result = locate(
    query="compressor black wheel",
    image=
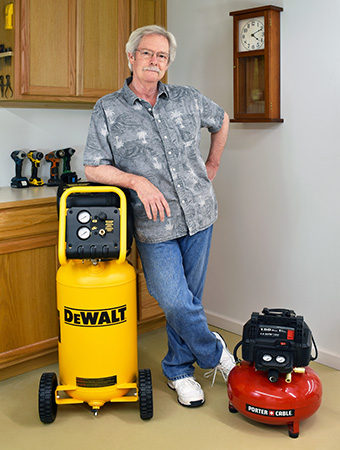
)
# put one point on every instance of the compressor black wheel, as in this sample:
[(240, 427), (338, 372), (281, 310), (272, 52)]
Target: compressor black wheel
[(145, 394), (47, 403)]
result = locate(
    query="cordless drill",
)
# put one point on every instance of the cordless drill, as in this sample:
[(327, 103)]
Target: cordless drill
[(35, 158), (68, 176), (19, 181), (54, 159)]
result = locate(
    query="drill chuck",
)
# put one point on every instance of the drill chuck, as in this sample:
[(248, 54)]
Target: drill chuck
[(59, 153), (18, 155), (35, 156)]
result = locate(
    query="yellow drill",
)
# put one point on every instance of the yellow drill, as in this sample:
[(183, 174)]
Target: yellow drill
[(35, 158)]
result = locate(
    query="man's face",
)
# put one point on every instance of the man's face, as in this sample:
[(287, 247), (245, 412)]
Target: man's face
[(150, 70)]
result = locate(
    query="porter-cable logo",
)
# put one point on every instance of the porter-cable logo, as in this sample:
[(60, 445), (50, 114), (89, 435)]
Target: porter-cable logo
[(95, 317), (270, 412)]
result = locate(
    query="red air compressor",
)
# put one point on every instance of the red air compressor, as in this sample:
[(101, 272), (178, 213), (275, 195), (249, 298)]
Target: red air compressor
[(272, 384), (96, 300)]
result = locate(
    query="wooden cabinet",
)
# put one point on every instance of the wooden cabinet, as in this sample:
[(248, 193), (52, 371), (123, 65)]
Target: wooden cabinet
[(71, 52), (67, 51), (47, 47), (28, 260), (148, 12), (29, 263), (103, 30)]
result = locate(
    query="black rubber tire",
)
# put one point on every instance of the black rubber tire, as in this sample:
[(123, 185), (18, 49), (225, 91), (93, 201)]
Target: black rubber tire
[(47, 403), (145, 394)]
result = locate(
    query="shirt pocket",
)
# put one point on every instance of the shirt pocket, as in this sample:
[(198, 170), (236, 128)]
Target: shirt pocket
[(185, 125), (128, 138)]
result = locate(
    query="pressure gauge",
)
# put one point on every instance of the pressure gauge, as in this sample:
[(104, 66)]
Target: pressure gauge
[(84, 217), (83, 233), (280, 359)]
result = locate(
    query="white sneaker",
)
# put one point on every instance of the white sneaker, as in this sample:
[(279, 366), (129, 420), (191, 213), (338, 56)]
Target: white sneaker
[(226, 364), (189, 392)]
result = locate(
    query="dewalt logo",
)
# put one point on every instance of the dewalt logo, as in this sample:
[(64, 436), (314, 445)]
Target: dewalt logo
[(95, 317)]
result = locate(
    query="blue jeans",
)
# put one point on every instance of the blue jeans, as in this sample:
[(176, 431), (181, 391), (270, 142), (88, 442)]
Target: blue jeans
[(175, 274)]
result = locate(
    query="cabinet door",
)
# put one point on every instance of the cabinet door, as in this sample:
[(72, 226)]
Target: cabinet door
[(103, 30), (148, 12), (28, 261), (48, 45)]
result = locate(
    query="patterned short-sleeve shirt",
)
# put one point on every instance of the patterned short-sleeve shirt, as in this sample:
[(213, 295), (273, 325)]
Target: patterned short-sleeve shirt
[(161, 143)]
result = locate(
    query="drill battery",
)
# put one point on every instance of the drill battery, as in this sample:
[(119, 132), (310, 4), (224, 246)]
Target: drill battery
[(277, 341)]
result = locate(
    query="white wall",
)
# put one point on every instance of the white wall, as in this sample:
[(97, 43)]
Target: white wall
[(276, 243), (43, 130)]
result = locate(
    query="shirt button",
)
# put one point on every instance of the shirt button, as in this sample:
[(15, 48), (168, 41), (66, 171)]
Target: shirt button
[(169, 153), (149, 109), (165, 137), (159, 120)]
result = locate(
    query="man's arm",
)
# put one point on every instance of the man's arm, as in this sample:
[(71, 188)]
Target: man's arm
[(218, 141), (153, 200)]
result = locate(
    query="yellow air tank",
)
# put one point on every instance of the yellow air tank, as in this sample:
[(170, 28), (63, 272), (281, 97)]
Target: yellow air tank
[(96, 302)]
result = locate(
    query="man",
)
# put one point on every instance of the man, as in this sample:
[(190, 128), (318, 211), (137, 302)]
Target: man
[(146, 137)]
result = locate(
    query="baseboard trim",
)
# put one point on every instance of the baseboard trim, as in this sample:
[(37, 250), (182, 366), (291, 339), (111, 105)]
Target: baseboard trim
[(325, 357)]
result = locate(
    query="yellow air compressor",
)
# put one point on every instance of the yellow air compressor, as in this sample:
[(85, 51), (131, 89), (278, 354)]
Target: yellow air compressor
[(96, 301)]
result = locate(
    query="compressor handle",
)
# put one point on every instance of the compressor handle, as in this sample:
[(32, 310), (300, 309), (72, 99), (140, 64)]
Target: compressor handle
[(313, 358), (279, 311), (237, 346), (63, 212)]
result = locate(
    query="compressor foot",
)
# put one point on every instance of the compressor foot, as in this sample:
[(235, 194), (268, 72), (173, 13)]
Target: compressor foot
[(95, 411), (293, 430), (232, 409)]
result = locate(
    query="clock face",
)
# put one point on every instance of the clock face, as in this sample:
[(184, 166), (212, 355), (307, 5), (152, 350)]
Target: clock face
[(251, 34)]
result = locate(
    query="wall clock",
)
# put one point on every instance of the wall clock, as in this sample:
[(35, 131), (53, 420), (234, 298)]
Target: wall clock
[(257, 64)]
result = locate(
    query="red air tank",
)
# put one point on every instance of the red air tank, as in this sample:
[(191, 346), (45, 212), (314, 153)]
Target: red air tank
[(294, 397)]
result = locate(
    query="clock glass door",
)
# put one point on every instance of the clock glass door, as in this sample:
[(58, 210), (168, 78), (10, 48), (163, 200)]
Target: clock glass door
[(251, 79)]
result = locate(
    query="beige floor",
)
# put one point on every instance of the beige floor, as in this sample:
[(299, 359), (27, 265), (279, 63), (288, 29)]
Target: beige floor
[(118, 426)]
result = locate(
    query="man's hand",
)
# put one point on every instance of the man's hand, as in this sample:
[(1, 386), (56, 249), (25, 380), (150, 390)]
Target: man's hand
[(211, 170), (153, 200)]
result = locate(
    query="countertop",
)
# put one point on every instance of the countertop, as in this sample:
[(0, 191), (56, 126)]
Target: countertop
[(11, 197)]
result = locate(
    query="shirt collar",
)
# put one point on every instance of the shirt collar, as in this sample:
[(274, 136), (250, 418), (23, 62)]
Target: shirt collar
[(131, 97)]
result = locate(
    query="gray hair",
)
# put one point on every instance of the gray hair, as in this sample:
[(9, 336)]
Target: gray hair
[(137, 35)]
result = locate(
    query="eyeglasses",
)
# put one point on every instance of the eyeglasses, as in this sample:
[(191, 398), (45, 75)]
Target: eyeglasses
[(148, 54)]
